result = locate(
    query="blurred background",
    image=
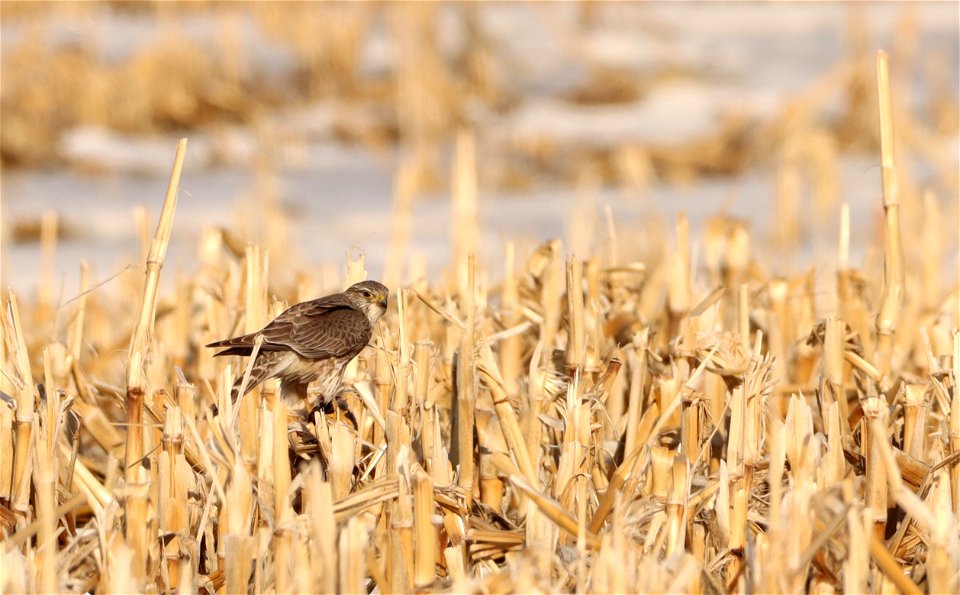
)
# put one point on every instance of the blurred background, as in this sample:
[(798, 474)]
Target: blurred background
[(321, 129)]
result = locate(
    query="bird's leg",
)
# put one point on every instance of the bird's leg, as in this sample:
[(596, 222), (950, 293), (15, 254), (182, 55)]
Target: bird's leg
[(334, 406), (338, 404), (343, 406)]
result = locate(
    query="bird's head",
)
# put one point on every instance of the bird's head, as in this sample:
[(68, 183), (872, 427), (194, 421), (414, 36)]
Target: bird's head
[(371, 297)]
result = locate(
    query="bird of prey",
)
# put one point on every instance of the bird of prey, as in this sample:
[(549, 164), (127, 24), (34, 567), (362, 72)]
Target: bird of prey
[(311, 341)]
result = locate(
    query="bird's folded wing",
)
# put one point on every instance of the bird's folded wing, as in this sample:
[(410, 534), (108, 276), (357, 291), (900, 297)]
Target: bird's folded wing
[(274, 333), (317, 333)]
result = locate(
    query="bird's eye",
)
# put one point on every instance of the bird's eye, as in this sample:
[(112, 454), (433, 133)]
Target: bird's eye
[(366, 293)]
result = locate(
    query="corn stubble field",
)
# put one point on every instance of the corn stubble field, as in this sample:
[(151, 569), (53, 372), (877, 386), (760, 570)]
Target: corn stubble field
[(587, 423)]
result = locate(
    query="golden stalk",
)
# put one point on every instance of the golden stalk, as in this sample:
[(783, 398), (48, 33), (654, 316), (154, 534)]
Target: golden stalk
[(76, 331), (256, 262), (282, 511), (426, 534), (892, 296), (575, 334), (638, 372), (677, 493), (465, 396), (20, 487), (400, 399), (874, 410), (48, 250), (511, 347), (48, 579), (399, 514), (135, 503), (679, 289), (140, 340)]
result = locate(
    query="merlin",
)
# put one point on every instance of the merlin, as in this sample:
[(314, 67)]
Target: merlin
[(311, 341)]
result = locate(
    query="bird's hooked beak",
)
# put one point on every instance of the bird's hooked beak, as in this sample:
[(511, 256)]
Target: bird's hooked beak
[(383, 302)]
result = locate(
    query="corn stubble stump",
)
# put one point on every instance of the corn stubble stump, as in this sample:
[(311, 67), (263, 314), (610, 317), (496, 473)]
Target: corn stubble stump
[(568, 429)]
